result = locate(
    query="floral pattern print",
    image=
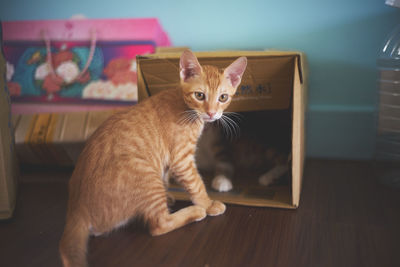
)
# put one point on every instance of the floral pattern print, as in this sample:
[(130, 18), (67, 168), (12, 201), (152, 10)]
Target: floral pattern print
[(111, 74)]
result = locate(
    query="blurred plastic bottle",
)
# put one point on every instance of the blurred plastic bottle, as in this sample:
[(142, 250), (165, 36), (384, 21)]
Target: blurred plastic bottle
[(387, 151)]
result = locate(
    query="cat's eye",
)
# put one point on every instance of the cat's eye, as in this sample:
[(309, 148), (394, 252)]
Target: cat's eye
[(223, 98), (199, 96)]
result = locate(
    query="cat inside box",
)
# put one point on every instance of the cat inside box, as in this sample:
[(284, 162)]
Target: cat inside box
[(249, 148)]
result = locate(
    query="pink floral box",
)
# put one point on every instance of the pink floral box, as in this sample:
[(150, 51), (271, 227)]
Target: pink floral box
[(77, 60)]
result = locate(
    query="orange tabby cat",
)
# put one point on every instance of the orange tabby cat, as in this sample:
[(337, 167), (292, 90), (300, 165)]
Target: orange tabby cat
[(124, 167)]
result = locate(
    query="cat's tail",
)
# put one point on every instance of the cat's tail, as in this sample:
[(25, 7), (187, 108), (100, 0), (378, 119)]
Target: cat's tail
[(73, 244)]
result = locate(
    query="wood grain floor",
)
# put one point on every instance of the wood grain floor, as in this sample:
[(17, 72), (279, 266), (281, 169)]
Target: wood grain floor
[(345, 218)]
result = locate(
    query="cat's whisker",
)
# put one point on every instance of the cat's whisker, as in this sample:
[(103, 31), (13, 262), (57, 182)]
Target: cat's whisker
[(193, 116), (232, 116), (230, 127), (229, 123), (221, 123), (182, 120), (235, 115), (188, 116), (226, 129)]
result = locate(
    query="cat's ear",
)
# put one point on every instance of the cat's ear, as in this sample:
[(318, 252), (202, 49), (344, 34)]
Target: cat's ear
[(189, 66), (234, 72)]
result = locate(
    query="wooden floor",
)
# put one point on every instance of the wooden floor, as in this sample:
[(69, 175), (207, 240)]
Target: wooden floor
[(345, 218)]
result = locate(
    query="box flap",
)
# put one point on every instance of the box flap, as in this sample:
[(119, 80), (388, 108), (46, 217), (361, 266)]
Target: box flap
[(298, 131)]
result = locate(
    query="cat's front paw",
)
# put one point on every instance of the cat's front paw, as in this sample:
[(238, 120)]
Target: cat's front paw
[(266, 179), (216, 208), (273, 174), (221, 183)]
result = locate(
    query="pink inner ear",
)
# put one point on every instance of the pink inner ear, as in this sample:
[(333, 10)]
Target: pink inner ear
[(234, 78), (189, 72), (189, 66), (235, 71)]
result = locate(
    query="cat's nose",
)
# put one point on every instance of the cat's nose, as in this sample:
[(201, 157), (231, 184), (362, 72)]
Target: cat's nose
[(211, 114)]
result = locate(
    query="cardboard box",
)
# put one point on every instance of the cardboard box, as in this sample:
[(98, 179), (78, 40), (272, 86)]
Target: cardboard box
[(55, 138), (274, 80), (8, 164)]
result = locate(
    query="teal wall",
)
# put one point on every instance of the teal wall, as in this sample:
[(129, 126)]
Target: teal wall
[(340, 37)]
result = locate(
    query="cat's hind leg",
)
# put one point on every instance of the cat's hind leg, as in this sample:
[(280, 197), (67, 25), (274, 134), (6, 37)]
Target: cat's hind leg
[(186, 174), (166, 222), (156, 212)]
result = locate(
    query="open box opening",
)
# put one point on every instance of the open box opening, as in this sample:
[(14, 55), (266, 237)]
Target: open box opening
[(271, 97)]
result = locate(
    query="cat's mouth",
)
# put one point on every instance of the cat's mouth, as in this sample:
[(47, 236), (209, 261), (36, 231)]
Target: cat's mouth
[(210, 118)]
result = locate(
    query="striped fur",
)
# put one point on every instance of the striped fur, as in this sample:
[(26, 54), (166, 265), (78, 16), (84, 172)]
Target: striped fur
[(120, 173)]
